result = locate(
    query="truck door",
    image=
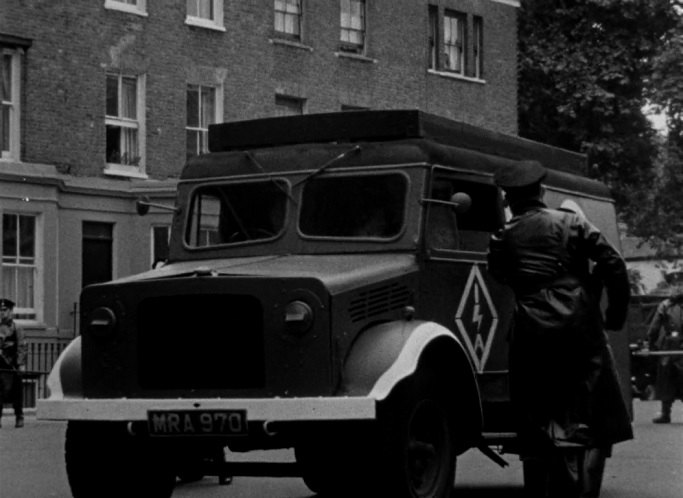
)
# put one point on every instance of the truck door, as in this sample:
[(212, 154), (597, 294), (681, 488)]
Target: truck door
[(457, 288)]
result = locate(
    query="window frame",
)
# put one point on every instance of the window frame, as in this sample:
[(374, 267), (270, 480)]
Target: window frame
[(216, 118), (13, 104), (472, 56), (155, 259), (495, 217), (213, 22), (121, 169), (284, 14), (348, 45), (138, 7), (283, 101), (26, 314)]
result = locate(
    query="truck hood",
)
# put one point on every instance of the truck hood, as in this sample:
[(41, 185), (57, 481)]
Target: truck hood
[(336, 271)]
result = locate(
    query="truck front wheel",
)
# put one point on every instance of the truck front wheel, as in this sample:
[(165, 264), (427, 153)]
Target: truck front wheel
[(104, 460), (418, 447)]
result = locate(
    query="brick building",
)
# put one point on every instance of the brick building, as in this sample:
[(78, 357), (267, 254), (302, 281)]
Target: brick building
[(102, 100)]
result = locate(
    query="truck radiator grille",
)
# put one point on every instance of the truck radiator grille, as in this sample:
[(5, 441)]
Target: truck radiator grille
[(200, 342), (378, 300)]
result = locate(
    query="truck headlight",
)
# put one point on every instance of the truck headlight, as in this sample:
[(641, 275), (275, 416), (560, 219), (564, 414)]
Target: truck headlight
[(298, 318), (101, 322)]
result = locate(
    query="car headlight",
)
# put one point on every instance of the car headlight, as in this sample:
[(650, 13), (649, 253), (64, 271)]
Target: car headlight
[(298, 318)]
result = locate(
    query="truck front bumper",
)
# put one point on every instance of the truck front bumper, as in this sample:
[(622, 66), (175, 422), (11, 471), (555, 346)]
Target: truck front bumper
[(266, 410)]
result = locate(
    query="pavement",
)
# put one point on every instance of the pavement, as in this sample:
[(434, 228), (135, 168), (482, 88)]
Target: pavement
[(650, 466)]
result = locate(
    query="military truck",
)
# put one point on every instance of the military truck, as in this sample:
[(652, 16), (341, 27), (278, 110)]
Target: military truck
[(326, 290)]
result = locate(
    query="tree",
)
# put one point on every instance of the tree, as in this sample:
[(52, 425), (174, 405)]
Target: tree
[(583, 73), (662, 224)]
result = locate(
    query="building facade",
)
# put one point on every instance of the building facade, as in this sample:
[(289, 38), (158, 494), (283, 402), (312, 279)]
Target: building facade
[(103, 100)]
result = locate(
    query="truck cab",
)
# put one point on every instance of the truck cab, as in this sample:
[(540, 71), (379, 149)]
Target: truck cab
[(326, 290)]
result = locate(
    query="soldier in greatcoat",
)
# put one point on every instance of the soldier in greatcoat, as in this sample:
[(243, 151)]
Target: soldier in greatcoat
[(12, 361), (563, 382), (666, 334)]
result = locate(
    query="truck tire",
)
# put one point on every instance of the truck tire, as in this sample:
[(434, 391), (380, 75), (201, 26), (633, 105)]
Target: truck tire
[(408, 453), (104, 460), (417, 453)]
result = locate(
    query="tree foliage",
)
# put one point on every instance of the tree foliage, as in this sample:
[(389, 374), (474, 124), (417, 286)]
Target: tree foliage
[(585, 72), (662, 224)]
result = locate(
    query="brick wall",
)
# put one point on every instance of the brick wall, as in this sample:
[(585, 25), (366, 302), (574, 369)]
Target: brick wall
[(76, 41)]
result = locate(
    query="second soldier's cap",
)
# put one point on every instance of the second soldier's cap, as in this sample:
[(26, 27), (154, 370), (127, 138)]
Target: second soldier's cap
[(521, 174), (6, 303)]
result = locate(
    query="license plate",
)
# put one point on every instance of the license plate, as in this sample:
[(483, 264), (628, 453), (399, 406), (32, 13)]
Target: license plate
[(197, 422)]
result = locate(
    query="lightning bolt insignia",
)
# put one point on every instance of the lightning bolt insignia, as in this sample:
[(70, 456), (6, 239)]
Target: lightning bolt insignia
[(476, 313)]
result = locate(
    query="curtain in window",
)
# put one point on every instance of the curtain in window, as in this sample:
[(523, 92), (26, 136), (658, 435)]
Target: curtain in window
[(453, 42), (129, 146), (208, 110), (206, 9), (200, 8), (129, 99)]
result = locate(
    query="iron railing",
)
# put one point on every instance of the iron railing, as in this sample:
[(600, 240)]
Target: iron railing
[(41, 356)]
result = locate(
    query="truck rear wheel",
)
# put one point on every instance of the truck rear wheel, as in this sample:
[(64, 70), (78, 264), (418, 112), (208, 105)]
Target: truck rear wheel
[(104, 460)]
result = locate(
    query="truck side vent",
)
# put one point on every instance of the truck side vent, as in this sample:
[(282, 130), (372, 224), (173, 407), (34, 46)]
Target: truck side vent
[(378, 300)]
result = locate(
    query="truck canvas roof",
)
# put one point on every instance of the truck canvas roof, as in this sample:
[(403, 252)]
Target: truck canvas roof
[(393, 137), (385, 126)]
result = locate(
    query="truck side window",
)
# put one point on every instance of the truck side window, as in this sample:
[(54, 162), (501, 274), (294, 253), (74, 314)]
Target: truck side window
[(469, 231)]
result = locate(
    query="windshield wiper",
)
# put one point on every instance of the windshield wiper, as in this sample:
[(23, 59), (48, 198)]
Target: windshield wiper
[(281, 187), (329, 163)]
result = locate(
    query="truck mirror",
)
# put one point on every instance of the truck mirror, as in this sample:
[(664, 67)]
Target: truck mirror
[(461, 202), (142, 205)]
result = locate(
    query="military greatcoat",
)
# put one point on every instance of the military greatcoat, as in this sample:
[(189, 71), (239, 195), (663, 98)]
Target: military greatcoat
[(563, 380), (666, 334)]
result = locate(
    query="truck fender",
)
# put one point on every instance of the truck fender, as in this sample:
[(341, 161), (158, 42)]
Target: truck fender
[(383, 355), (65, 379)]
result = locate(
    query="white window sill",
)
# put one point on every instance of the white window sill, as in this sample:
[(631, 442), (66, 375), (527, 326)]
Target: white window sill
[(290, 43), (456, 76), (123, 7), (203, 23), (124, 171), (354, 56)]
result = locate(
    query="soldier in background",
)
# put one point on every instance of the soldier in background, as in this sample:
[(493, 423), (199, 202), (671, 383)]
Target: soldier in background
[(666, 334), (12, 361), (563, 383)]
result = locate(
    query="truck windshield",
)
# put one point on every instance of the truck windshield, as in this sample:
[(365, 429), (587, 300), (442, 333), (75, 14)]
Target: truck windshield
[(361, 206), (236, 213)]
